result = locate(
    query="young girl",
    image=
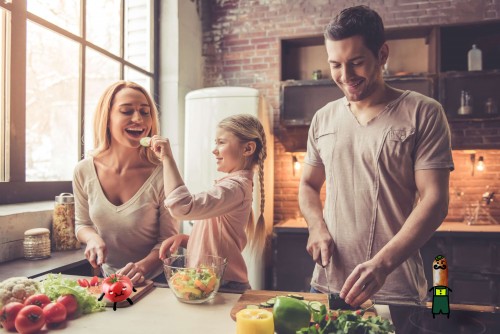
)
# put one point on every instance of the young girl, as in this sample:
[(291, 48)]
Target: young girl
[(223, 213)]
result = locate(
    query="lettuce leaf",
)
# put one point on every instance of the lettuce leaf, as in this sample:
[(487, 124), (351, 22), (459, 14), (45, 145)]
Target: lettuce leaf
[(56, 285)]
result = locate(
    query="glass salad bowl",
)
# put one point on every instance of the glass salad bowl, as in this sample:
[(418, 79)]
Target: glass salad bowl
[(194, 279)]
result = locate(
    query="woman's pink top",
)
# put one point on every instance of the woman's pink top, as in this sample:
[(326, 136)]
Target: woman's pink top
[(219, 216)]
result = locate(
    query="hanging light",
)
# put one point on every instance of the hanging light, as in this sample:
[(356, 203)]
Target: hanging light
[(295, 164), (480, 164)]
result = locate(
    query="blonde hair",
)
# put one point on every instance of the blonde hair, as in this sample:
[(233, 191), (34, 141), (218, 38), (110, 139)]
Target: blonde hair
[(248, 128), (102, 136)]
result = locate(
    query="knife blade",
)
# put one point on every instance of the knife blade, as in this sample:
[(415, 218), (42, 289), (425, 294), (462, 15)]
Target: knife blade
[(327, 281)]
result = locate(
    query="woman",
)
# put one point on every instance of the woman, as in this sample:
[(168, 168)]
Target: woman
[(119, 189)]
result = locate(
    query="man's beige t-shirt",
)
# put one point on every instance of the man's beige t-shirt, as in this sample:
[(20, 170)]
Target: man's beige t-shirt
[(370, 183)]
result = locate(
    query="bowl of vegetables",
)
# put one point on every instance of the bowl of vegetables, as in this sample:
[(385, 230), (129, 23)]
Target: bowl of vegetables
[(194, 280)]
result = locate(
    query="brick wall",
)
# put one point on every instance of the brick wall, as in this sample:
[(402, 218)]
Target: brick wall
[(241, 48)]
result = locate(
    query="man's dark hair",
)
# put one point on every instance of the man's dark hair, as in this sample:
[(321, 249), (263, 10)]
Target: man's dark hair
[(358, 20)]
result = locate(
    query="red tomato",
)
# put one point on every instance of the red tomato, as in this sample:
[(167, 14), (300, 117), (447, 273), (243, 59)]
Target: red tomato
[(38, 299), (94, 281), (54, 313), (8, 314), (29, 320), (70, 302), (83, 283), (117, 287)]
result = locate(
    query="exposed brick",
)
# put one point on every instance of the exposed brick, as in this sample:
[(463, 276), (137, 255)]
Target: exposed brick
[(258, 26), (241, 48)]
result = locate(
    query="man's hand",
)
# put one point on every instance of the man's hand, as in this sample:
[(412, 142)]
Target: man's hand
[(364, 281), (320, 245)]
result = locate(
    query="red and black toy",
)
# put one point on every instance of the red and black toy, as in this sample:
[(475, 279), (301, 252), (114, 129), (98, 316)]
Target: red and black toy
[(117, 288)]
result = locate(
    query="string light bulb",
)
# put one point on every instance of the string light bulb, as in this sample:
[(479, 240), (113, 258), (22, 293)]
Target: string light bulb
[(296, 164), (480, 164)]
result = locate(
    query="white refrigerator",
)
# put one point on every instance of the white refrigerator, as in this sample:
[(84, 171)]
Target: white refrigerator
[(204, 109)]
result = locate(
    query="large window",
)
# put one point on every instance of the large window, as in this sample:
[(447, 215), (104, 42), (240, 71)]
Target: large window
[(56, 58)]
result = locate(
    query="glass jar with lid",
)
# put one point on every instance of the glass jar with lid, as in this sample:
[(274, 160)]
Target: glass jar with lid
[(63, 223)]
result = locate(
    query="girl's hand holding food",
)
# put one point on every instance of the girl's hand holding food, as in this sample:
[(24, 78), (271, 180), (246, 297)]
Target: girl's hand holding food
[(95, 251), (171, 245), (161, 147)]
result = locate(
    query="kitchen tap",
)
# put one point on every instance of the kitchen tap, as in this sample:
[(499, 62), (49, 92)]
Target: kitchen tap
[(478, 213), (488, 197)]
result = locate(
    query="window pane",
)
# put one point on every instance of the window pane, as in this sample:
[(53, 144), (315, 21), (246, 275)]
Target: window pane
[(63, 13), (3, 66), (138, 34), (103, 24), (137, 77), (101, 72), (52, 88)]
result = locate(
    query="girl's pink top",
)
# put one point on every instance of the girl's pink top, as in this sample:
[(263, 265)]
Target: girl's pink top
[(219, 216)]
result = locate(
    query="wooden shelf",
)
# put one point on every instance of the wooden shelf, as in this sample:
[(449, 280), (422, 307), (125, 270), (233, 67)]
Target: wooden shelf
[(435, 58)]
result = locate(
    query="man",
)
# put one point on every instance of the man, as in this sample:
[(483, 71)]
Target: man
[(380, 150)]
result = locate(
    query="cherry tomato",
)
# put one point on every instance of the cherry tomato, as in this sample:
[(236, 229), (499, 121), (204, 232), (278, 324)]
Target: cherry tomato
[(94, 281), (117, 287), (70, 302), (29, 320), (54, 313), (8, 314), (38, 299), (83, 283)]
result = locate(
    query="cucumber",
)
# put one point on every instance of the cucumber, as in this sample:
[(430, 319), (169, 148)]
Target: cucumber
[(265, 305), (145, 141), (251, 306), (292, 295), (271, 301), (315, 306)]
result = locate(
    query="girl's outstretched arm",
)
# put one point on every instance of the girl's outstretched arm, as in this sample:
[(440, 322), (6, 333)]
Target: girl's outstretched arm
[(171, 176)]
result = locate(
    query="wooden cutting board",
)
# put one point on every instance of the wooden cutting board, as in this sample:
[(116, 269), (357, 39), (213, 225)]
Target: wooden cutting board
[(142, 290), (255, 297)]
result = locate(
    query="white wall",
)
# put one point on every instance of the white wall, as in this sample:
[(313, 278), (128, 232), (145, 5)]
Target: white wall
[(181, 67)]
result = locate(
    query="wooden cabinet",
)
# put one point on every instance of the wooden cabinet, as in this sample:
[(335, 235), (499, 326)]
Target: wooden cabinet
[(431, 60), (473, 263), (292, 265)]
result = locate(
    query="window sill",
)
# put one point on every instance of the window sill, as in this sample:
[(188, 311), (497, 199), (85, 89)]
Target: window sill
[(15, 219), (57, 262), (15, 209)]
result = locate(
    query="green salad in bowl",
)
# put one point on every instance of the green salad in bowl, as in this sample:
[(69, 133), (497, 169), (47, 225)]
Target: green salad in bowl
[(194, 280)]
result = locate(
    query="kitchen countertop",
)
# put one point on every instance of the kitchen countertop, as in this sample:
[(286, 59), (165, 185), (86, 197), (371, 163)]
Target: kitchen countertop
[(446, 226), (57, 262), (160, 312)]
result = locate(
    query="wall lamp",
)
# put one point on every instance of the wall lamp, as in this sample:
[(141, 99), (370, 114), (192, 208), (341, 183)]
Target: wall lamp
[(480, 163), (295, 164)]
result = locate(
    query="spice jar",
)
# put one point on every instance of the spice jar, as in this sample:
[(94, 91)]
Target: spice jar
[(317, 75), (63, 223), (36, 244), (491, 106)]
